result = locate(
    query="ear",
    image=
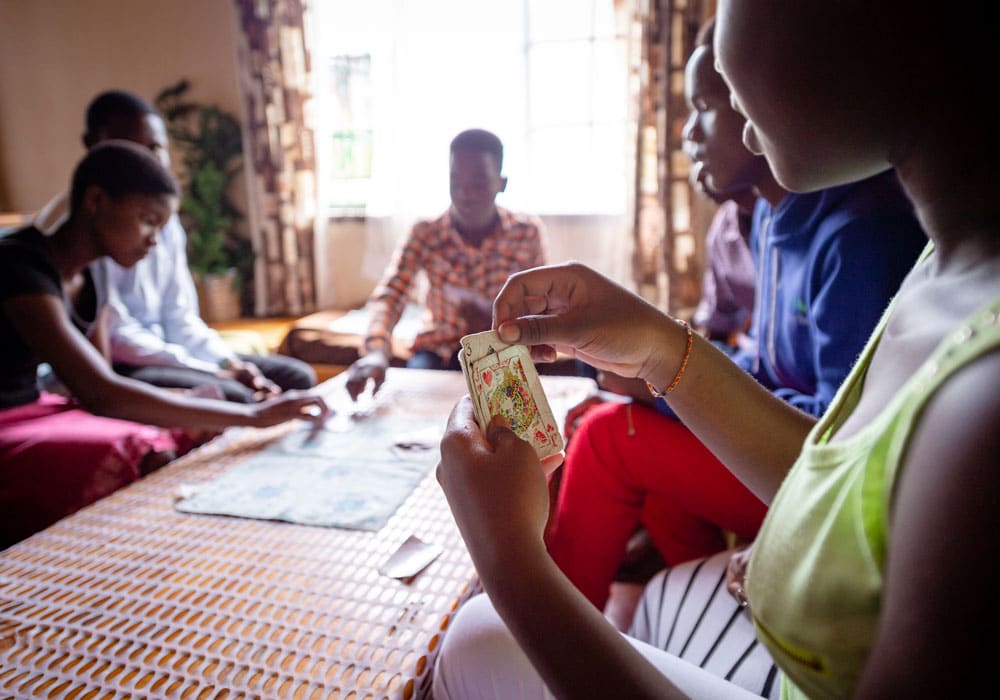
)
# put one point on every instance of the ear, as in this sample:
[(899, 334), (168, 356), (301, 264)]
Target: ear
[(94, 199), (503, 184)]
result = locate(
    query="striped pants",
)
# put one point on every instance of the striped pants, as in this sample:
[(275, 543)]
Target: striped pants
[(687, 625)]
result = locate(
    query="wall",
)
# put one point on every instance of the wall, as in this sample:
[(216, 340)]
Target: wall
[(55, 55)]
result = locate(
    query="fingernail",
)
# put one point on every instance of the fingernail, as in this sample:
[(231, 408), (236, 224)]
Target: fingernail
[(509, 332)]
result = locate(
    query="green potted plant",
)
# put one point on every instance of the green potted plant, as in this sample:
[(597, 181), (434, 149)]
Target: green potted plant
[(210, 145)]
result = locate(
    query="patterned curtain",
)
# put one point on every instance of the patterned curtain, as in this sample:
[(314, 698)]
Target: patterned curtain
[(669, 218), (274, 62)]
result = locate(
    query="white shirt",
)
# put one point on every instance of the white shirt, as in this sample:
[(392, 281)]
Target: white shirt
[(153, 306)]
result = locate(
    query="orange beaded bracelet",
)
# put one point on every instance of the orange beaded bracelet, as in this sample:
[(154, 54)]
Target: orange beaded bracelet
[(684, 364)]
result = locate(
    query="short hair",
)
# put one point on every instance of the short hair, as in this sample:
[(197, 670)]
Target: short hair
[(481, 141), (120, 168), (115, 104)]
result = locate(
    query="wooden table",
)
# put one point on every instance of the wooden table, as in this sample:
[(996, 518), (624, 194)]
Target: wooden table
[(131, 598)]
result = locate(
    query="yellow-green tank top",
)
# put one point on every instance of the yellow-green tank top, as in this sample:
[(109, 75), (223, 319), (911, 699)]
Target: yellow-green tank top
[(816, 573)]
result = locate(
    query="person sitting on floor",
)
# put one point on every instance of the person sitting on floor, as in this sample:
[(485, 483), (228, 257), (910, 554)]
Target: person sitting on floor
[(156, 332), (467, 253), (58, 454)]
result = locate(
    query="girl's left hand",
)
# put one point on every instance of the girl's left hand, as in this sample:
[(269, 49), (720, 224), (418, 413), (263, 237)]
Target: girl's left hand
[(292, 404), (496, 488)]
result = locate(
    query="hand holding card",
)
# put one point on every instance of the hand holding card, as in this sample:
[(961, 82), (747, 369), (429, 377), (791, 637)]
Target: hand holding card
[(503, 381)]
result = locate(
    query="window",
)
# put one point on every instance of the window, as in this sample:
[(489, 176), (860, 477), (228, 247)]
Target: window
[(348, 136), (397, 79), (576, 106)]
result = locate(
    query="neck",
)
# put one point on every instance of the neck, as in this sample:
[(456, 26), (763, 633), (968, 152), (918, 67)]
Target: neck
[(769, 189), (745, 200), (475, 233), (72, 247), (950, 183)]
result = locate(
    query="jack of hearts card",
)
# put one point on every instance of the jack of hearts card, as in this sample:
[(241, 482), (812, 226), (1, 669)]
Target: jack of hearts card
[(506, 383)]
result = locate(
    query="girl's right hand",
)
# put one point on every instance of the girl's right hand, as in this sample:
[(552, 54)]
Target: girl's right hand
[(573, 309)]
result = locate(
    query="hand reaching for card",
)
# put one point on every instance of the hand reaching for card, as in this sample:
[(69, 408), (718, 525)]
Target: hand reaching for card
[(475, 309), (371, 366)]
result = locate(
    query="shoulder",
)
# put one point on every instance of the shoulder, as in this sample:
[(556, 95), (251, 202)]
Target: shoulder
[(25, 264), (877, 242), (961, 404), (526, 224), (423, 229), (877, 203), (972, 390), (871, 219), (25, 244), (955, 442), (174, 231), (725, 225)]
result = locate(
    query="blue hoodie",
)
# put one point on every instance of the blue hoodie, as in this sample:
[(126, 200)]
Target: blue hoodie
[(827, 264)]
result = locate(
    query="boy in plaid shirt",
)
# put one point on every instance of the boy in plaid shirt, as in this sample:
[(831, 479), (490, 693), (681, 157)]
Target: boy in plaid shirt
[(467, 254)]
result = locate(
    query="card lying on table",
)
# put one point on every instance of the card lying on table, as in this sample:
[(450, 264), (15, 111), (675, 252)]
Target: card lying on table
[(503, 381)]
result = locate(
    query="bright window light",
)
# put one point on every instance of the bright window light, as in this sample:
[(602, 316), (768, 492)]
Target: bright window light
[(397, 79)]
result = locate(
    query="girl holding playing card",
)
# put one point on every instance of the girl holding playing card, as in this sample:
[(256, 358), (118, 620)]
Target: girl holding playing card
[(862, 582)]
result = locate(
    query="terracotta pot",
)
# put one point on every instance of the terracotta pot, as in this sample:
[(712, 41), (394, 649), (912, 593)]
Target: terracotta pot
[(218, 296)]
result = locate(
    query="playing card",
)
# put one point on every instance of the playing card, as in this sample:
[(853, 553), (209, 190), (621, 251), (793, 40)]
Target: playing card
[(412, 557), (506, 383), (477, 345), (467, 371)]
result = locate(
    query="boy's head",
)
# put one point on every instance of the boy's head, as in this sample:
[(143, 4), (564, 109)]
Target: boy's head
[(713, 132), (125, 195), (476, 163), (120, 168), (117, 114)]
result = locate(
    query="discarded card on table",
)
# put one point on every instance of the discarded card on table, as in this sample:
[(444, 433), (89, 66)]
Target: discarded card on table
[(412, 557), (503, 381)]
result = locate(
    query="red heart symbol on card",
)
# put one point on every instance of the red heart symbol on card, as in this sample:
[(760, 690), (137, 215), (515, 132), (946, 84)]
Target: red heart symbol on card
[(487, 377)]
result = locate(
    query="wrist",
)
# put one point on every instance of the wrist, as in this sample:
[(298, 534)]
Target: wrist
[(499, 560), (667, 369), (376, 344), (256, 417)]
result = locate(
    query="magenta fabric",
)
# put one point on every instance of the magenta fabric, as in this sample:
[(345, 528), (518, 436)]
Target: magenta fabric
[(56, 458), (660, 476)]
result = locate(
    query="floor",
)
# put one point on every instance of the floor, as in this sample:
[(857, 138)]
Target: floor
[(271, 330)]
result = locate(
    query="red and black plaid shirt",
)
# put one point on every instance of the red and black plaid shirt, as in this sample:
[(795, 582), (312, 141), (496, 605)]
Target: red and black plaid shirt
[(438, 249)]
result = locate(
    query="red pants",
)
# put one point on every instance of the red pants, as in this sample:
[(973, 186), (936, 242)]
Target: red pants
[(628, 465), (56, 458)]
